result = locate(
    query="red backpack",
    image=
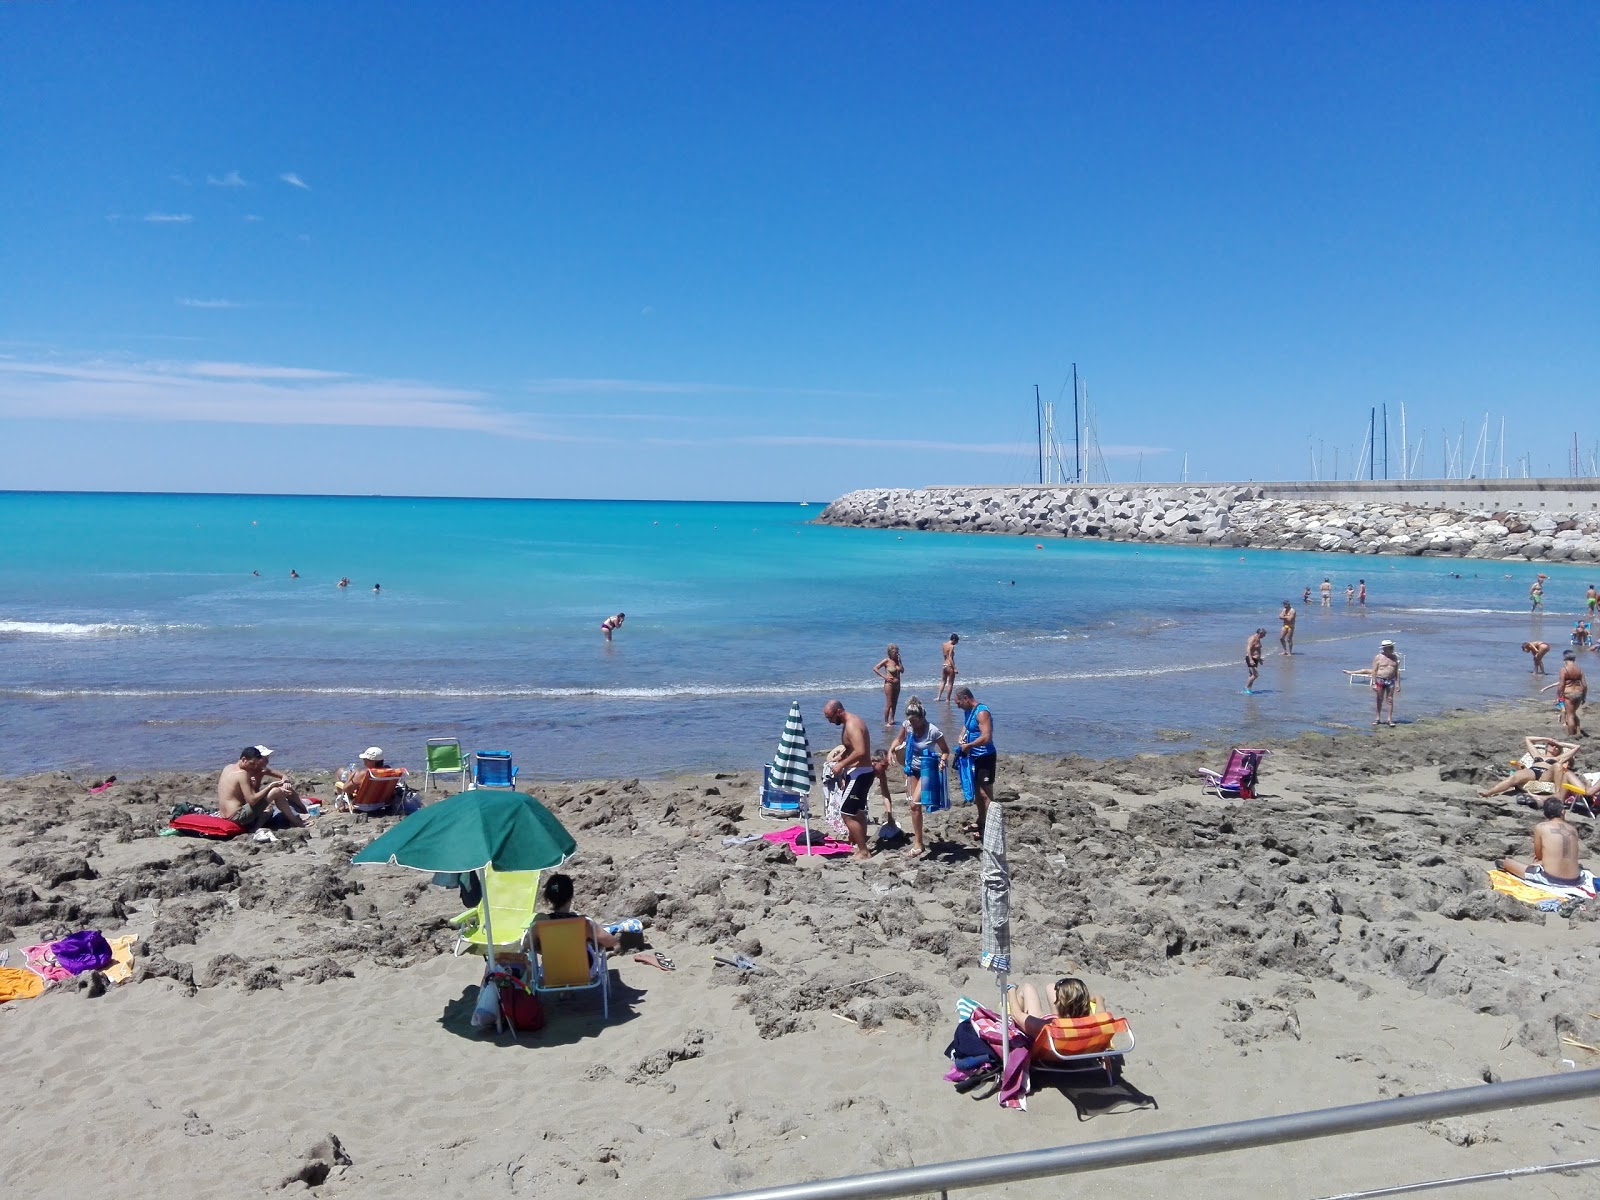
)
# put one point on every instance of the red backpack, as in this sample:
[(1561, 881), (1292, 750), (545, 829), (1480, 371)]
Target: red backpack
[(519, 1006)]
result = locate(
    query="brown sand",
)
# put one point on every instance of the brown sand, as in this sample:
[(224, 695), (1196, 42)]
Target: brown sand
[(1332, 942)]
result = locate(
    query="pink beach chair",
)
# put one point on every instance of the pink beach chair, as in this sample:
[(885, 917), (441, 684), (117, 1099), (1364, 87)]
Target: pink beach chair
[(1238, 779)]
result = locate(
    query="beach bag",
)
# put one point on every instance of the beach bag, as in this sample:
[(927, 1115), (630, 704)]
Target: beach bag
[(205, 825), (520, 1007)]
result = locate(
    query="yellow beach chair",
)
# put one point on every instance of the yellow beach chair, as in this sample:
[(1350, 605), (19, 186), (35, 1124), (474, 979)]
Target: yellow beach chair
[(509, 900), (563, 963)]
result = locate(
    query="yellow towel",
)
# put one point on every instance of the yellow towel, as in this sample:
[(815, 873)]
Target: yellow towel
[(1503, 881), (121, 968), (17, 984)]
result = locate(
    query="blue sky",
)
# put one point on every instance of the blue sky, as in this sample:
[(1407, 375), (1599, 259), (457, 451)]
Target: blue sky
[(778, 251)]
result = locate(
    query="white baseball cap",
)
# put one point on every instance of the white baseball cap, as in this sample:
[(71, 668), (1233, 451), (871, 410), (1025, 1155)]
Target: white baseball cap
[(264, 752), (372, 754)]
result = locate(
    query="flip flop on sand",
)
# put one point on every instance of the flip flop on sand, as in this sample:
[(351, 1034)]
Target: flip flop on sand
[(658, 959)]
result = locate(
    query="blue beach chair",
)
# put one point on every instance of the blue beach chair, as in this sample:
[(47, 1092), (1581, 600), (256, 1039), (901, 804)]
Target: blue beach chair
[(778, 805), (493, 769)]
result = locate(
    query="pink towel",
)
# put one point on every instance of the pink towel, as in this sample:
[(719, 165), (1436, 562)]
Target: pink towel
[(43, 964), (822, 847), (1014, 1080)]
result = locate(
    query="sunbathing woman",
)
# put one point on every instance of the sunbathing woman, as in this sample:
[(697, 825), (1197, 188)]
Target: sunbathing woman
[(889, 669), (1549, 761), (1072, 999)]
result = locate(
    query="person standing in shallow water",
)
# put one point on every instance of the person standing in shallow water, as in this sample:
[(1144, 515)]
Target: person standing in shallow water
[(1252, 660), (1538, 650), (1286, 637), (1327, 593), (890, 669), (947, 673), (1385, 680)]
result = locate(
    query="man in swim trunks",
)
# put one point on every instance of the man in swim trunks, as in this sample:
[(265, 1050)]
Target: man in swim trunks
[(1538, 650), (611, 624), (977, 744), (1592, 599), (856, 768), (1548, 762), (244, 798), (1555, 850), (1361, 593), (1385, 679), (947, 674), (1252, 660), (1536, 595), (1286, 638), (1574, 690)]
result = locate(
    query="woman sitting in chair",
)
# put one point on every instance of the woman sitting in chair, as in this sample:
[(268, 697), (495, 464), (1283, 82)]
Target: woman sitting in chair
[(558, 894), (1072, 999)]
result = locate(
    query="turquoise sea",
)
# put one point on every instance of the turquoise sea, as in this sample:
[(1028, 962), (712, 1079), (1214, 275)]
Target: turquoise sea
[(134, 634)]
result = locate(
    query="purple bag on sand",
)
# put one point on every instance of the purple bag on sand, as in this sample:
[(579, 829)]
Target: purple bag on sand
[(83, 951)]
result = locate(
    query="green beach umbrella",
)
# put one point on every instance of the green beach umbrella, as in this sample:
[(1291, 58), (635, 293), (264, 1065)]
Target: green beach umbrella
[(509, 831), (472, 831), (791, 769)]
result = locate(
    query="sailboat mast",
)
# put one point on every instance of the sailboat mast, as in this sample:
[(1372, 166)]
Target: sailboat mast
[(1038, 428), (1077, 446)]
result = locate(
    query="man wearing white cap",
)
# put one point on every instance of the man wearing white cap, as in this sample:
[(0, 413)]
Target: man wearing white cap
[(371, 757), (1385, 679), (244, 797)]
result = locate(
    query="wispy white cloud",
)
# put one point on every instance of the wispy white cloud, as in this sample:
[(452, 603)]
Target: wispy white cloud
[(251, 217), (231, 180), (236, 370), (161, 218), (246, 394), (191, 302), (294, 180)]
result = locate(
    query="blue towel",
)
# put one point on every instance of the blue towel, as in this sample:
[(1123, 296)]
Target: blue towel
[(964, 771), (935, 793)]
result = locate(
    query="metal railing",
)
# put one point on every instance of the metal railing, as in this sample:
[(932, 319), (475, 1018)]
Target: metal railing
[(1188, 1143)]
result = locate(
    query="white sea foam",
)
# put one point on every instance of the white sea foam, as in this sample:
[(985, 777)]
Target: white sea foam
[(75, 629), (662, 692)]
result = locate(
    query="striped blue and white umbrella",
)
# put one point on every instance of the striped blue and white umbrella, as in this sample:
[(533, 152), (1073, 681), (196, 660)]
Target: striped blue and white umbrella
[(994, 875), (791, 769)]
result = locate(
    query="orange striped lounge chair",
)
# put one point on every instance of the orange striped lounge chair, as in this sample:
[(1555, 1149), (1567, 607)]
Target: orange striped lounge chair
[(1076, 1043)]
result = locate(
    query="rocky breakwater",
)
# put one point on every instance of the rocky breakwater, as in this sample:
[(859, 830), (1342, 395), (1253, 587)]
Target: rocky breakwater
[(1226, 516)]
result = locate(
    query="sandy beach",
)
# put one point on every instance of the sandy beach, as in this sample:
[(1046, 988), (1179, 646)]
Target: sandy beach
[(298, 1021)]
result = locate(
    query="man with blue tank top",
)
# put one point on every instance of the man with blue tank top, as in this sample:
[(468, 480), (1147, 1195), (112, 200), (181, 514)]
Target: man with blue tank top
[(977, 746)]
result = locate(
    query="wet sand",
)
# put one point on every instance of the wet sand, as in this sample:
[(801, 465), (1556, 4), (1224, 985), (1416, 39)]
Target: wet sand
[(1331, 942)]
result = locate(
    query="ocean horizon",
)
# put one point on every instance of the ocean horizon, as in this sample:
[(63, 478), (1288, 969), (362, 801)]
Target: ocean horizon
[(135, 634)]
